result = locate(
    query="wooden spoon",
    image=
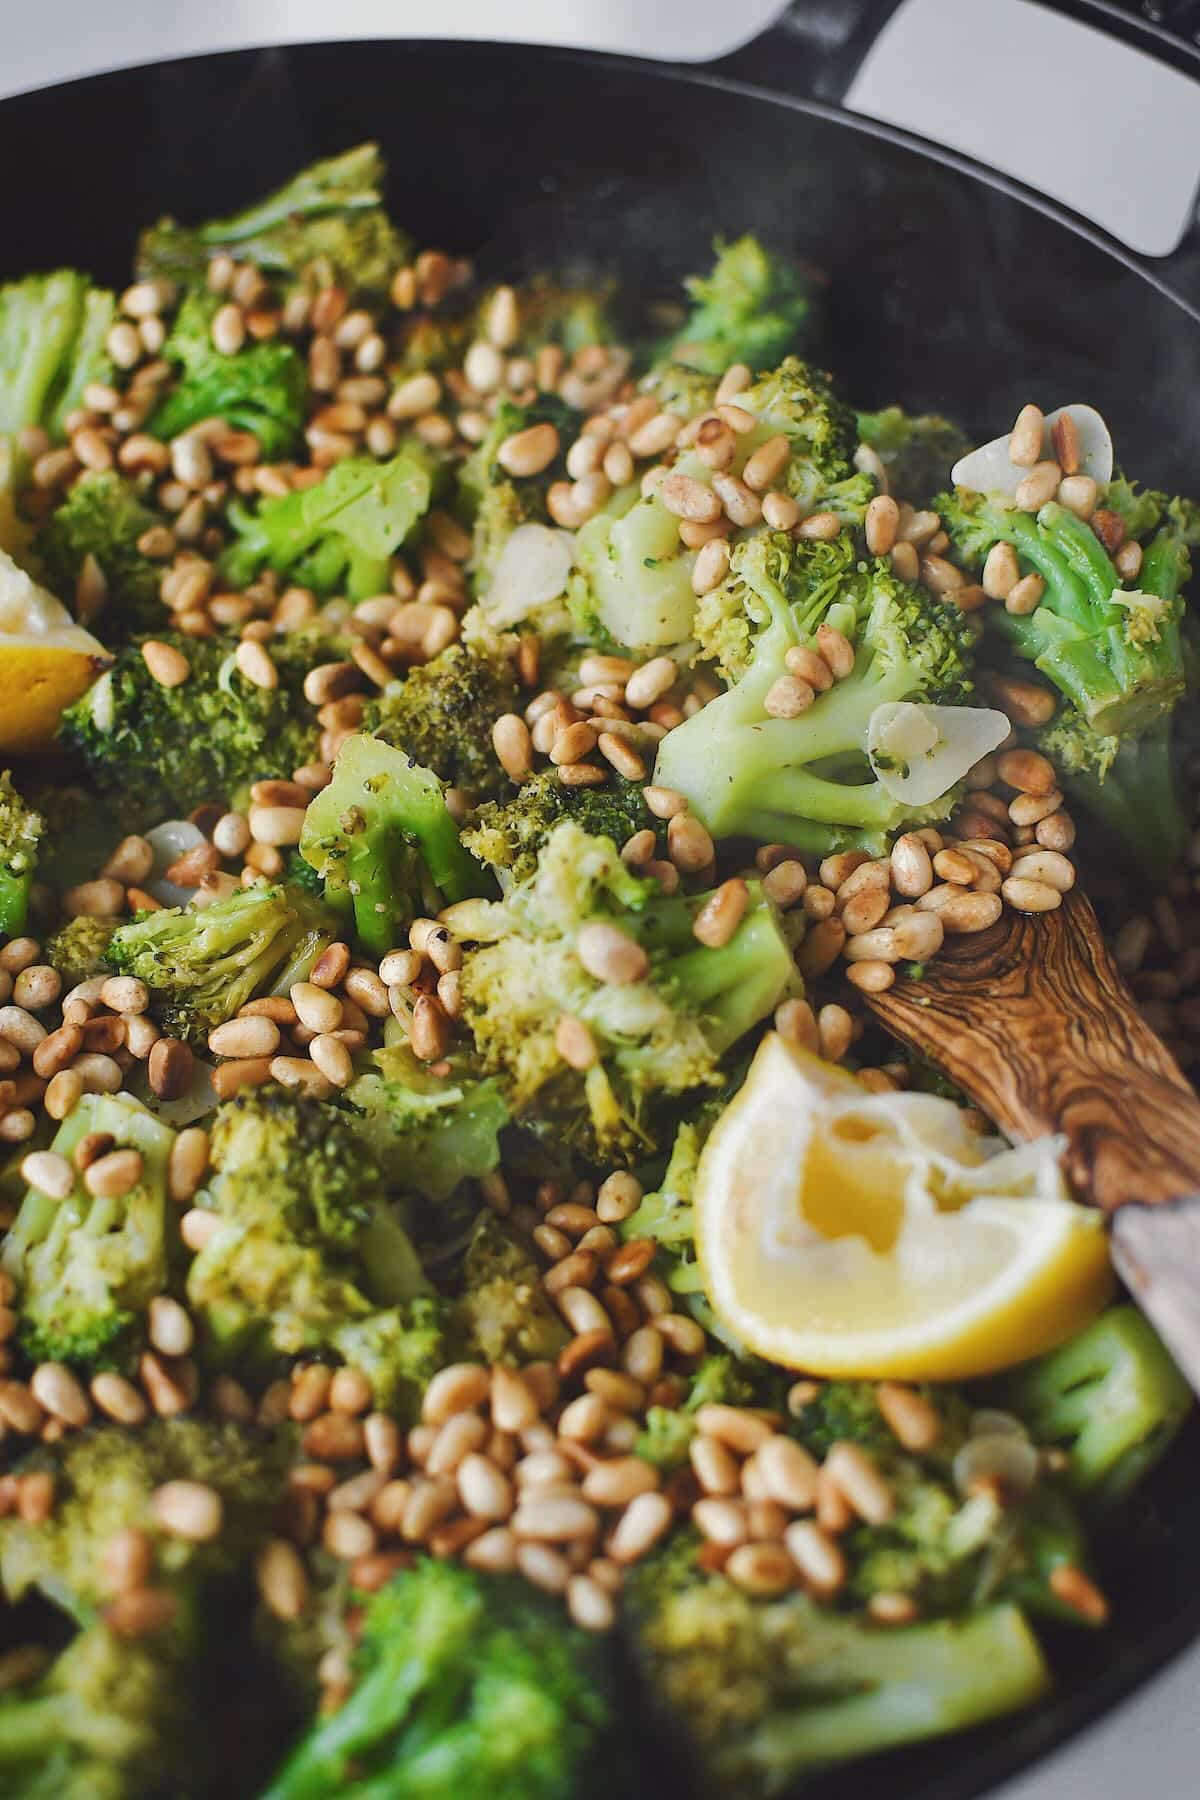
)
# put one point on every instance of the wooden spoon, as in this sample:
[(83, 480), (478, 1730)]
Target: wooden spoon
[(1034, 1021)]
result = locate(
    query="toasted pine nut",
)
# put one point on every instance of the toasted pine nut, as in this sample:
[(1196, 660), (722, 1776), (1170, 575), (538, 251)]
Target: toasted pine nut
[(1027, 436)]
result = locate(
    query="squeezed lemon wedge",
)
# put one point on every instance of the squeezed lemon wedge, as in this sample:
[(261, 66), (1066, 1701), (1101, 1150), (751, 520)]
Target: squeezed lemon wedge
[(849, 1233), (46, 661)]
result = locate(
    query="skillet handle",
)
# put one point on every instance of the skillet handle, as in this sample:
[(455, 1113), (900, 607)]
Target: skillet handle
[(1086, 102)]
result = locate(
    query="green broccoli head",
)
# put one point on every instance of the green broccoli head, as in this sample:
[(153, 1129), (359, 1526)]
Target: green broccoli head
[(103, 516), (508, 834), (21, 829), (158, 752), (52, 343), (662, 1033), (1115, 653), (798, 401), (1131, 788), (918, 450), (87, 1267), (754, 306), (326, 225), (381, 838), (202, 964), (306, 1242), (465, 1684), (261, 388), (501, 1309), (79, 949), (339, 535), (807, 780), (441, 715)]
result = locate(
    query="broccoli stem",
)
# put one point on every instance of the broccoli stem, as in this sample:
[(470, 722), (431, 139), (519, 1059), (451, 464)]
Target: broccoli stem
[(1138, 801), (898, 1687)]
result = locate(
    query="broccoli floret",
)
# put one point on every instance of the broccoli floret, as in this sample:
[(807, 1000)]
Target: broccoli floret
[(261, 388), (1112, 1398), (87, 1267), (79, 949), (680, 389), (338, 536), (807, 780), (469, 1685), (720, 1380), (769, 1692), (202, 964), (661, 1033), (80, 832), (798, 401), (1115, 653), (502, 1310), (52, 337), (306, 1242), (399, 1350), (21, 830), (326, 225), (103, 516), (498, 502), (442, 715), (1131, 787), (918, 450), (508, 834), (755, 306), (1141, 509), (381, 838), (434, 1132), (158, 752)]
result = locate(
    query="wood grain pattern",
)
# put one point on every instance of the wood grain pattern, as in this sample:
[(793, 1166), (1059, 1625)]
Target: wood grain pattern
[(1034, 1021)]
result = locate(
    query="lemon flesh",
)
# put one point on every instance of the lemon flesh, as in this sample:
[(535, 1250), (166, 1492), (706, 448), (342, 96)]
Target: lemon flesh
[(849, 1233), (46, 661)]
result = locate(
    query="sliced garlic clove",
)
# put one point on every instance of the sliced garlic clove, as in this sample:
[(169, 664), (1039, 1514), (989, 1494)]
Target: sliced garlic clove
[(532, 569), (988, 470), (919, 752)]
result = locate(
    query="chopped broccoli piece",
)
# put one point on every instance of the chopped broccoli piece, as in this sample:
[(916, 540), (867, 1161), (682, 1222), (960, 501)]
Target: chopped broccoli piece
[(755, 306), (338, 536), (158, 752), (769, 1692), (399, 1350), (502, 1310), (469, 1685), (79, 949), (508, 834), (1111, 1397), (1141, 509), (1116, 654), (441, 716), (661, 1034), (261, 388), (720, 1380), (382, 839), (434, 1132), (498, 502), (87, 1267), (798, 402), (807, 781), (103, 516), (202, 964), (918, 450), (52, 335), (80, 832), (306, 1242), (21, 830), (326, 225), (1131, 787)]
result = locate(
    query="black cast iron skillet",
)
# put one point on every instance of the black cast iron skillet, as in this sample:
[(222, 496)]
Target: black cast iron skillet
[(949, 289)]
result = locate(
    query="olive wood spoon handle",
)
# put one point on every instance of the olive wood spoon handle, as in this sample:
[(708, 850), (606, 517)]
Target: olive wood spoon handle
[(1034, 1022)]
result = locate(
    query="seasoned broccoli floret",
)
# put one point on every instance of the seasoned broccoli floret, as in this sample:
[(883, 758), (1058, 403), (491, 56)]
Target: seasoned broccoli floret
[(508, 834), (21, 830), (52, 337), (502, 1310), (1131, 787), (399, 1350), (721, 1380), (1141, 509), (807, 780), (769, 1692), (202, 964), (326, 225), (498, 502), (1111, 1397), (260, 388), (102, 516), (1116, 653), (798, 401), (431, 1133), (918, 450), (465, 1684), (383, 841), (754, 306), (442, 715), (306, 1242), (661, 1031), (87, 1267), (338, 536), (157, 752), (79, 949)]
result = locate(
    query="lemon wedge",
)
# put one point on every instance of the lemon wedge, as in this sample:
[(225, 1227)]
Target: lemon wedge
[(46, 661), (848, 1233)]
